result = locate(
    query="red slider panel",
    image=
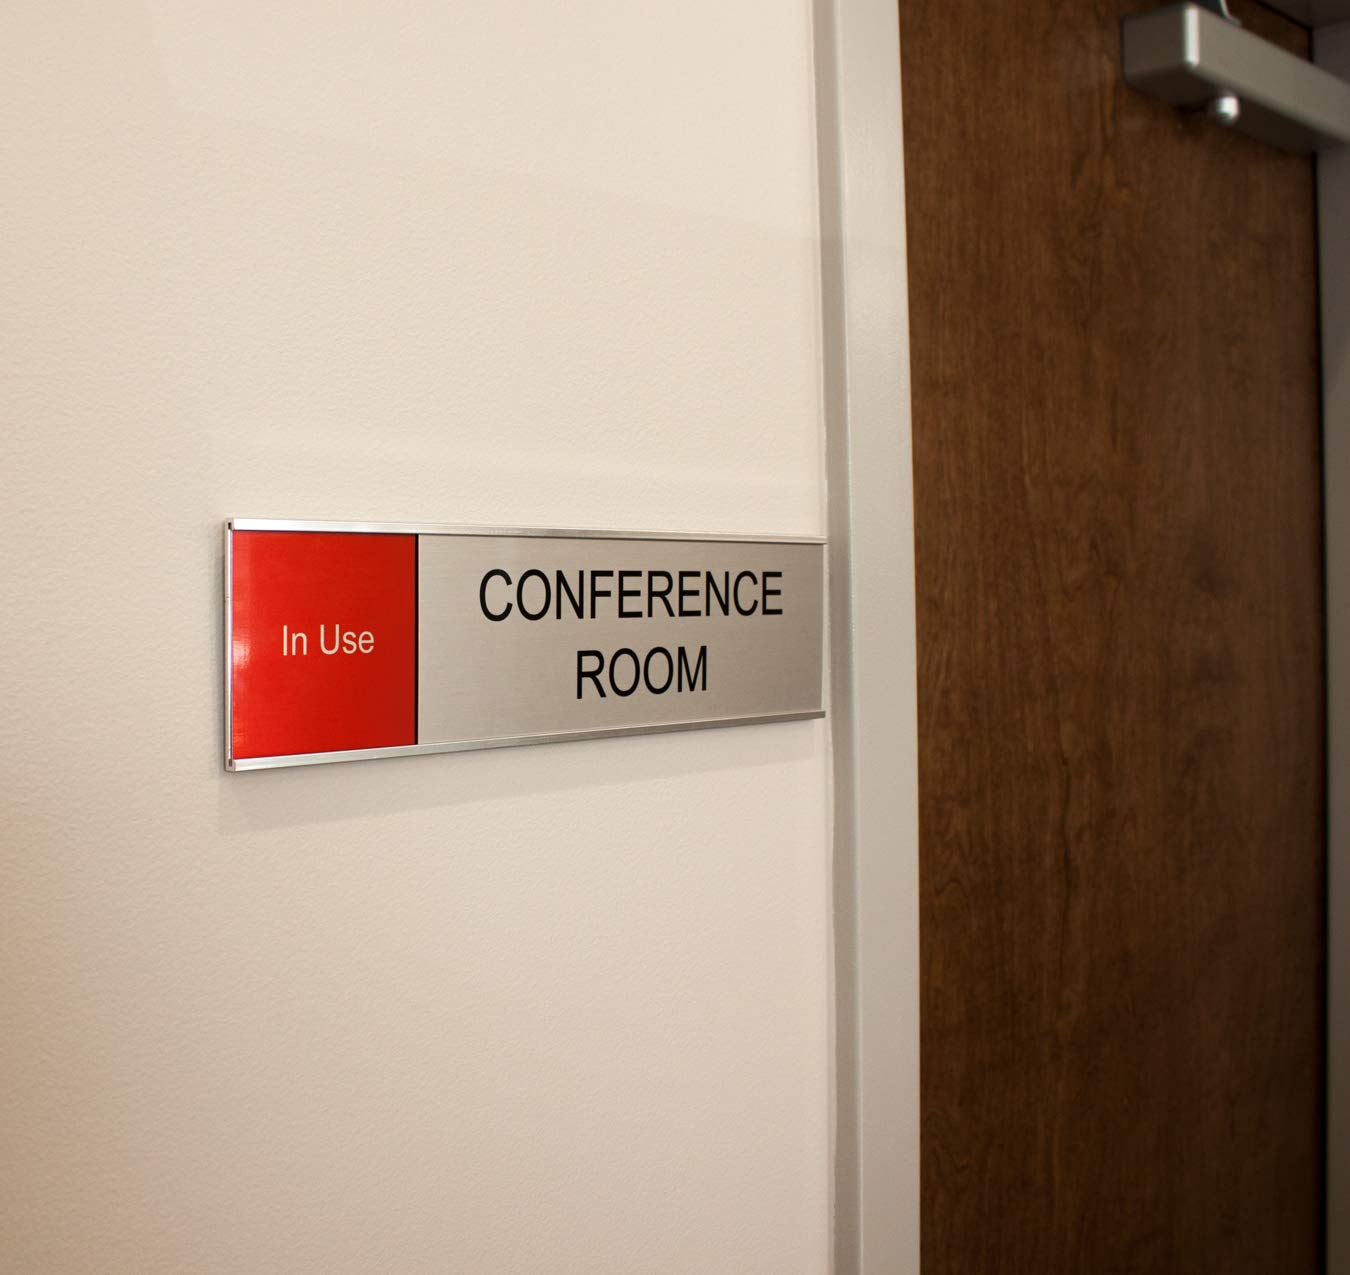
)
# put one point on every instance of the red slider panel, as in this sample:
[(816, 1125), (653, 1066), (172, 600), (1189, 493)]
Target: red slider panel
[(324, 642)]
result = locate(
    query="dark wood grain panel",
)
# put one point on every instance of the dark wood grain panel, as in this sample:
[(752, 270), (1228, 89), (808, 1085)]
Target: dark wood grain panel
[(1117, 476)]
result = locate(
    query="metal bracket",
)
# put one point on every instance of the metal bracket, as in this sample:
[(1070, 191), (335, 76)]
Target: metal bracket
[(1226, 108), (1221, 8), (1192, 57)]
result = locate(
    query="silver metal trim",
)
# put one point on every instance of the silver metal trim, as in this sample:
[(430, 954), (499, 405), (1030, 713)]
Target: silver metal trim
[(457, 529), (478, 745), (1188, 56), (227, 656), (873, 678)]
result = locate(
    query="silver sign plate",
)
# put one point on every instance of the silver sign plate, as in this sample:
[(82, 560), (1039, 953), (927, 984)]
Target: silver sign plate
[(520, 637)]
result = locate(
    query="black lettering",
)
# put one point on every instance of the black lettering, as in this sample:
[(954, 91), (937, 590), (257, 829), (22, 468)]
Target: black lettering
[(688, 678), (482, 595), (647, 670), (754, 605), (687, 591), (772, 593), (722, 595), (625, 593), (663, 594), (637, 672), (574, 598), (598, 592), (533, 573), (593, 673)]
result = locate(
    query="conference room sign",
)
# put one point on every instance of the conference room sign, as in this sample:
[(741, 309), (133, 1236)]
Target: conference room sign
[(348, 641)]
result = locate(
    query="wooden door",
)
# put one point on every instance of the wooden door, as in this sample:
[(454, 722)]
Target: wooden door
[(1117, 481)]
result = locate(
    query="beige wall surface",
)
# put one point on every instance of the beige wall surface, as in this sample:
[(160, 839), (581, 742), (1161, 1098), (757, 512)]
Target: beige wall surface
[(552, 1009)]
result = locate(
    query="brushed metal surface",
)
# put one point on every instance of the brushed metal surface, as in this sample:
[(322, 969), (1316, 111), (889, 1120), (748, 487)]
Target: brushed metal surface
[(483, 679), (1189, 56)]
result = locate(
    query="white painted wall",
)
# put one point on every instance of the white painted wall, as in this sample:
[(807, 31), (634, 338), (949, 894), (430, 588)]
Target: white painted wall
[(551, 1009)]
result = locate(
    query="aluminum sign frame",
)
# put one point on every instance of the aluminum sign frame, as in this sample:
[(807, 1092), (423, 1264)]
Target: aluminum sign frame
[(276, 761)]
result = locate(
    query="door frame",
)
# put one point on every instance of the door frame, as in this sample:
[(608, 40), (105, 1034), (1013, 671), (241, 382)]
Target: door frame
[(864, 305), (873, 675), (1331, 50), (873, 668)]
